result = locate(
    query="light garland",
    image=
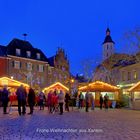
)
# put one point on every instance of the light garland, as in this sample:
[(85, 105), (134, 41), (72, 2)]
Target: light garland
[(53, 85)]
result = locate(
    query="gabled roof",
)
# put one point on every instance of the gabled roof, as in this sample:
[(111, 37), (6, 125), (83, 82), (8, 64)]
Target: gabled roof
[(24, 46), (99, 86), (56, 85), (108, 39), (11, 83), (135, 88)]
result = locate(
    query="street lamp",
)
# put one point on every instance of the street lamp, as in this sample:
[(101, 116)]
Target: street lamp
[(12, 77)]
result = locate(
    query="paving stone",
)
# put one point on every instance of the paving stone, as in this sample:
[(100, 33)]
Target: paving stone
[(115, 124)]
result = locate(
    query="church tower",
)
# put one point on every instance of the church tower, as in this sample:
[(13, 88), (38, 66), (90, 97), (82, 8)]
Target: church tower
[(108, 45)]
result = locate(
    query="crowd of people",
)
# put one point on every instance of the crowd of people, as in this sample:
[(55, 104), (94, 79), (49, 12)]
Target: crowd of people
[(54, 101), (89, 101)]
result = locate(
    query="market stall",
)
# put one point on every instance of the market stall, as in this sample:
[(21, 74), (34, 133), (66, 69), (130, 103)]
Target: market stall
[(56, 86), (99, 87), (12, 86), (134, 101)]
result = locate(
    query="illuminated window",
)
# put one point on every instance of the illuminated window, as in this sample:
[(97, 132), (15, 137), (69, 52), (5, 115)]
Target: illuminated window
[(129, 75), (18, 52), (38, 55), (135, 75), (49, 70), (28, 54), (29, 66), (17, 64), (41, 68)]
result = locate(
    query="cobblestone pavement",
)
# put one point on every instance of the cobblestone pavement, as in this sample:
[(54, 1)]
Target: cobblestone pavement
[(117, 124)]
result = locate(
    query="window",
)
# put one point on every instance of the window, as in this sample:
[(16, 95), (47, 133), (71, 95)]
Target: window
[(38, 55), (29, 66), (137, 95), (49, 70), (107, 47), (123, 76), (129, 75), (109, 94), (28, 54), (135, 75), (18, 52), (41, 68), (17, 64), (63, 68)]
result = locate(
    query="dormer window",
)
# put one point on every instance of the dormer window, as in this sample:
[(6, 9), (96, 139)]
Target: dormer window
[(18, 52), (38, 55), (28, 54)]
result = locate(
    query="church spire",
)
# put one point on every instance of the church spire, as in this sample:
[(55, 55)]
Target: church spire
[(107, 31), (108, 45)]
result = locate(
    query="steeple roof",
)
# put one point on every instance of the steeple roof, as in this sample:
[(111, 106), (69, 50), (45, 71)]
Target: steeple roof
[(108, 38)]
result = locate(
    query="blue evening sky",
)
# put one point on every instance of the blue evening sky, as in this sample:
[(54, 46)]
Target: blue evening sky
[(79, 25)]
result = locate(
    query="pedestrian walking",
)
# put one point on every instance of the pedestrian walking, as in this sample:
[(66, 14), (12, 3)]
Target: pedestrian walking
[(12, 98), (81, 99), (67, 99), (101, 101), (87, 100), (54, 101), (41, 100), (21, 97), (61, 98), (49, 101), (5, 98), (106, 98), (31, 100)]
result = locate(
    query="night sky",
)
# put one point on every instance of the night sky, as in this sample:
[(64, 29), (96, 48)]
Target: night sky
[(77, 25)]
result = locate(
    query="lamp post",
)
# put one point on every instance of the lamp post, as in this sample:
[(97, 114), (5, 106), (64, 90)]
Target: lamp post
[(70, 90)]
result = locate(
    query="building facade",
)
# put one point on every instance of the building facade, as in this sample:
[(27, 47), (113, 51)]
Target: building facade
[(60, 68), (21, 61)]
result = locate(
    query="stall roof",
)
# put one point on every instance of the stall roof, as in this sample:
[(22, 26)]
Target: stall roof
[(136, 87), (57, 84), (99, 86), (10, 82)]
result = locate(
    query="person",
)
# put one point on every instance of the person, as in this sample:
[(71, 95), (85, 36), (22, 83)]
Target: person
[(67, 98), (61, 97), (21, 97), (81, 98), (54, 101), (87, 101), (41, 100), (12, 98), (92, 101), (5, 99), (49, 101), (31, 100), (106, 101), (101, 101)]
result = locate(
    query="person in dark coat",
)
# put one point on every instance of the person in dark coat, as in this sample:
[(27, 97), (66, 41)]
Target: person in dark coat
[(31, 100), (81, 98), (5, 99), (67, 98), (101, 101), (21, 96), (106, 98)]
